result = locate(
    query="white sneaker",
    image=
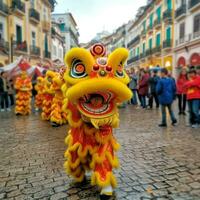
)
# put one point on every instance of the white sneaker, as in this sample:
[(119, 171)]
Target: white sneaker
[(2, 110), (195, 126), (8, 109), (108, 190)]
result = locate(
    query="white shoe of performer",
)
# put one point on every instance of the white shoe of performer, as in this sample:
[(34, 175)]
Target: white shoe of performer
[(108, 190)]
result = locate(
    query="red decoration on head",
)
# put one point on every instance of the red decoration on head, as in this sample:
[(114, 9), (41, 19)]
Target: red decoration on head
[(98, 50)]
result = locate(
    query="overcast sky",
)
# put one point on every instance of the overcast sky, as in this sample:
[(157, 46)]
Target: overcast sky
[(93, 16)]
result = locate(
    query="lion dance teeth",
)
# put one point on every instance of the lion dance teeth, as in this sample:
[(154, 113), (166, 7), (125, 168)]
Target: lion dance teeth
[(94, 86), (23, 87)]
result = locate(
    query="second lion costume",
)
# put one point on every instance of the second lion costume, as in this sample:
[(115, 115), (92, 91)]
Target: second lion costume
[(94, 86)]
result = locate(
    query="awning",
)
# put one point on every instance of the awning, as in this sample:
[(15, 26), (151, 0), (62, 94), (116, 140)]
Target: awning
[(181, 62), (195, 59)]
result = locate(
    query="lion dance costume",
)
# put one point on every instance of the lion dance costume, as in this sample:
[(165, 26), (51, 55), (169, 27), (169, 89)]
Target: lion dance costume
[(23, 87), (57, 116), (48, 95), (94, 86), (39, 87)]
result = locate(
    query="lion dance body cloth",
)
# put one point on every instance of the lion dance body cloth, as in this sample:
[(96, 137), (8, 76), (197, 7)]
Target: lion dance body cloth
[(23, 88), (94, 86)]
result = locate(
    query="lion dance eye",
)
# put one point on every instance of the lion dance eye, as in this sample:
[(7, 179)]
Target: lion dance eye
[(119, 72), (78, 69)]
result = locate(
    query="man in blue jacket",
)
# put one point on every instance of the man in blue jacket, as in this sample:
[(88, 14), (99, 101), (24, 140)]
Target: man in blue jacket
[(166, 90)]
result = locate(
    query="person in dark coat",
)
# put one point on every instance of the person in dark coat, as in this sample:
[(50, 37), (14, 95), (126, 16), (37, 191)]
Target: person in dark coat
[(4, 92), (143, 87), (166, 91), (153, 80)]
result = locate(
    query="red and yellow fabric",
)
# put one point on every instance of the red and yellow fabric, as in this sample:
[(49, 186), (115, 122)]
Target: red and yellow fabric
[(39, 87), (23, 88)]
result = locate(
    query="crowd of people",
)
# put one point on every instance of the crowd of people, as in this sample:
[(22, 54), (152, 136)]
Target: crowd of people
[(157, 86), (149, 87)]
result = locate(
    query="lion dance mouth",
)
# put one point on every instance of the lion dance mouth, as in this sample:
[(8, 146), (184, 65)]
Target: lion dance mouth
[(94, 86)]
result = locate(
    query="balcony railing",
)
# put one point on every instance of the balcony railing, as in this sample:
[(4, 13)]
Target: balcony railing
[(133, 59), (142, 55), (149, 52), (3, 8), (180, 11), (20, 46), (150, 28), (133, 41), (167, 44), (167, 15), (34, 50), (4, 46), (143, 33), (34, 15), (193, 3), (157, 49), (47, 54), (18, 5), (157, 23)]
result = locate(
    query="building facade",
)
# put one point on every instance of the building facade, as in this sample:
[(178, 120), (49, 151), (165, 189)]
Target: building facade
[(58, 44), (151, 36), (187, 34), (25, 28), (68, 29)]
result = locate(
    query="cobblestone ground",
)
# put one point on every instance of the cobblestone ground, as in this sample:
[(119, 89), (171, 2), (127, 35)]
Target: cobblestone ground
[(156, 164)]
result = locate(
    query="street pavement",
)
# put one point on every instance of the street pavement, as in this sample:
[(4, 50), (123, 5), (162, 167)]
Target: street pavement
[(156, 163)]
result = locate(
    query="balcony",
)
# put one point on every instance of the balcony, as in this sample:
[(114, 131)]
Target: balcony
[(133, 59), (34, 50), (46, 26), (133, 41), (34, 16), (142, 56), (149, 52), (167, 16), (18, 7), (3, 8), (180, 12), (167, 44), (150, 29), (20, 47), (143, 33), (194, 5), (4, 46), (47, 54), (157, 23), (157, 50)]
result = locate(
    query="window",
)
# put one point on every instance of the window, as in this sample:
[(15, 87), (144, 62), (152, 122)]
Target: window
[(168, 34), (158, 12), (158, 40), (138, 51), (197, 23), (143, 48), (144, 25), (151, 20), (32, 2), (150, 43), (45, 14), (169, 4), (182, 30), (1, 31), (33, 36), (54, 50), (19, 34)]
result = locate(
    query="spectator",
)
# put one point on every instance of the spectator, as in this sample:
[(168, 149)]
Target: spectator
[(11, 92), (153, 80), (4, 92), (133, 86), (166, 91), (193, 97), (143, 87), (181, 92)]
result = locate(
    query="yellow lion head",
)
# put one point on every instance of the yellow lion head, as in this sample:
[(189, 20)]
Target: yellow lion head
[(96, 83)]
